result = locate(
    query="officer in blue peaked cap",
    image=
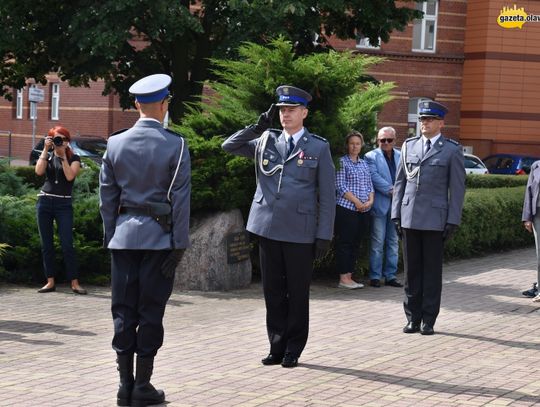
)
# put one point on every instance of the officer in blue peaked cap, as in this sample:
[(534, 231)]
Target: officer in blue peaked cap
[(292, 213), (152, 88), (432, 109), (292, 96), (426, 208)]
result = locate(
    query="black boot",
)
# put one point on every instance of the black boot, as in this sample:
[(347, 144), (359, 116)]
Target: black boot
[(125, 368), (144, 394)]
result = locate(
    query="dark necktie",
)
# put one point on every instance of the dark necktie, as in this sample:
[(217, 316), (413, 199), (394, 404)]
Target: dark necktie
[(291, 146), (428, 146)]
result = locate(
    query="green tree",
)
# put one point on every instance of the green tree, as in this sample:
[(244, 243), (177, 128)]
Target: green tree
[(246, 87), (85, 40)]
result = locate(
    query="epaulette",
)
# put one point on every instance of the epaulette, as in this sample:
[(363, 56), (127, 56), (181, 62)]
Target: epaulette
[(453, 141), (173, 132), (412, 138), (118, 132), (319, 137)]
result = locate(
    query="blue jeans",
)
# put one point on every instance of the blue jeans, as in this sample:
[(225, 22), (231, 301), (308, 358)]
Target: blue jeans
[(384, 245), (48, 210)]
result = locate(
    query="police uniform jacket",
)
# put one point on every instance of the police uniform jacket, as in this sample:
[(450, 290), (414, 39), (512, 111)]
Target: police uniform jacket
[(435, 195), (382, 180), (138, 167), (531, 193), (295, 204)]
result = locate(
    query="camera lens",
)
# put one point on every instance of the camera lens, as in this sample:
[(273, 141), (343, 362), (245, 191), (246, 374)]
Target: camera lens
[(58, 140)]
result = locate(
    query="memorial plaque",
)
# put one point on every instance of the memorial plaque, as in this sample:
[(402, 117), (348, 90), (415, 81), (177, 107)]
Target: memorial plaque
[(238, 247)]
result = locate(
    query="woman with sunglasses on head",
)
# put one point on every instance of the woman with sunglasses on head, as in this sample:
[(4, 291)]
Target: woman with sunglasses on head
[(55, 204)]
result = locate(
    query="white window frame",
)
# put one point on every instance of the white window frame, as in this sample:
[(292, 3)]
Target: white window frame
[(19, 103), (55, 101), (363, 42), (413, 116), (421, 25)]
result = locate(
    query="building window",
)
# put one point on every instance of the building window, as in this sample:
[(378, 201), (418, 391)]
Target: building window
[(413, 127), (55, 101), (363, 42), (19, 104), (424, 30)]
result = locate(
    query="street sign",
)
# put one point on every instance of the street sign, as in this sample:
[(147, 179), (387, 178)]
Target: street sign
[(36, 95)]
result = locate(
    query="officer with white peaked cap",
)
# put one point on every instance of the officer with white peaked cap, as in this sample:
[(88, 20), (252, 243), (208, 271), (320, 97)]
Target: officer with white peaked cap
[(145, 183)]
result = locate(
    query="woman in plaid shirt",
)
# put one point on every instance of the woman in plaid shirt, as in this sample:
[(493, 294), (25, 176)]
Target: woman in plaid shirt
[(355, 196)]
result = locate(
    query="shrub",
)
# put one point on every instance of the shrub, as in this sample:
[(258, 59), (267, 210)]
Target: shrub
[(342, 100), (29, 177), (491, 222), (18, 228), (10, 182), (495, 181)]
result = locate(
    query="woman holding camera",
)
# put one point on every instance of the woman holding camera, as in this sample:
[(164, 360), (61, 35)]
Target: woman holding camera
[(54, 203)]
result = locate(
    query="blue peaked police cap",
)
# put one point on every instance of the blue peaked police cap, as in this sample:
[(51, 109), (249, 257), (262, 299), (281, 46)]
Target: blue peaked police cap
[(291, 96), (432, 109), (152, 88)]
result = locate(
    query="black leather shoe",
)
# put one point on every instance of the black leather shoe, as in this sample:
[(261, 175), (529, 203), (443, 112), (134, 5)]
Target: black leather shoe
[(427, 329), (289, 361), (393, 283), (47, 290), (272, 360), (532, 292), (375, 283), (411, 327)]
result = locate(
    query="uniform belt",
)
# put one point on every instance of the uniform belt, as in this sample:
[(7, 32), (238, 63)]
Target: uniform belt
[(137, 211)]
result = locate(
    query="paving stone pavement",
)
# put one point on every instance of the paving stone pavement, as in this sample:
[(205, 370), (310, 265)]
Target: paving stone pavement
[(55, 348)]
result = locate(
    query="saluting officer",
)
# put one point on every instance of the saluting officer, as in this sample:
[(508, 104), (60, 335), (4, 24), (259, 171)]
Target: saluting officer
[(145, 204), (292, 213), (426, 209)]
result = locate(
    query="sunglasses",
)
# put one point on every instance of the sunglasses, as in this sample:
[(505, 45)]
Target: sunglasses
[(168, 98), (387, 140)]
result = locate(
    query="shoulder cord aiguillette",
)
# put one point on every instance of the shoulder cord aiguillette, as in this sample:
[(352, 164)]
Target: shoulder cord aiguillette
[(259, 154), (176, 172), (410, 174)]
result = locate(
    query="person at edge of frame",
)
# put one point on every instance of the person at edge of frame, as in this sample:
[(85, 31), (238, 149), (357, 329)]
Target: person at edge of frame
[(145, 185), (292, 213), (427, 204)]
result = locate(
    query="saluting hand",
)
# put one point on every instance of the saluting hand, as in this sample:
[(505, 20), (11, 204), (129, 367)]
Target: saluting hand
[(265, 119)]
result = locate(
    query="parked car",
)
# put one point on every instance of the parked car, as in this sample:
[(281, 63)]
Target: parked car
[(84, 146), (511, 164), (474, 165)]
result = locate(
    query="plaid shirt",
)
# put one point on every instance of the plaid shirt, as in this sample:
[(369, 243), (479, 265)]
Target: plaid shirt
[(352, 177)]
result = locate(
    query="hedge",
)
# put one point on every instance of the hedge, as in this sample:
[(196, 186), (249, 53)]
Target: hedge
[(491, 222), (495, 181)]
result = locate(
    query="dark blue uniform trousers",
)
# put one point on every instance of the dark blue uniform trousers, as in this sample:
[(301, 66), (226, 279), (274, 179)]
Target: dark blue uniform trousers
[(422, 258), (286, 275), (139, 296)]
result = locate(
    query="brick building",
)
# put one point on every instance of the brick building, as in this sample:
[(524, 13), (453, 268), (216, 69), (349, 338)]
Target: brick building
[(487, 75), (83, 111)]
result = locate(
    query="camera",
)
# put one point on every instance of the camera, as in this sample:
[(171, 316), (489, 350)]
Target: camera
[(58, 140)]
